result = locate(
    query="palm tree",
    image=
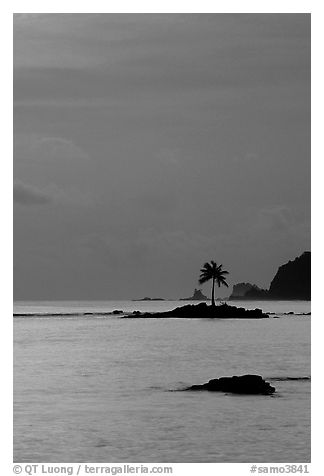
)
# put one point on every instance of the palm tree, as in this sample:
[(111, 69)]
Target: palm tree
[(214, 272)]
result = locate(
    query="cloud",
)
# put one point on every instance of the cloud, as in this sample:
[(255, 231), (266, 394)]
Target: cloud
[(38, 148), (89, 58), (278, 219), (160, 203), (28, 195)]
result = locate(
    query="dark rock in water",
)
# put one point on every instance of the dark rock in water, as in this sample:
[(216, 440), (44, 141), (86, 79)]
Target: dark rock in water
[(137, 313), (117, 311), (244, 384), (205, 311)]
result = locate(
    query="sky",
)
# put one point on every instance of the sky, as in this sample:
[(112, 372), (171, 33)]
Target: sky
[(147, 144)]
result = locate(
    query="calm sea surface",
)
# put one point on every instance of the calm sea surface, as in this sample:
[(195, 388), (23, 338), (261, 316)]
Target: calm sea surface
[(102, 388)]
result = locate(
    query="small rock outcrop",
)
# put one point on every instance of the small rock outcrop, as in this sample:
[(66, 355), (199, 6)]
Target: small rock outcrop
[(197, 296), (244, 384)]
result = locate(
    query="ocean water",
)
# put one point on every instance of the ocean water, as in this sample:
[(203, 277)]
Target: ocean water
[(100, 388)]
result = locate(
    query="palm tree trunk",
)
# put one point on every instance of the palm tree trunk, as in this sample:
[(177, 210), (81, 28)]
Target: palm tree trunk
[(213, 293)]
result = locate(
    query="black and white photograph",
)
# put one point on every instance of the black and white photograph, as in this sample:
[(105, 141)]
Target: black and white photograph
[(162, 239)]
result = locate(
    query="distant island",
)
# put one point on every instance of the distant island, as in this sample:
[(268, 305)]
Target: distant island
[(197, 296), (248, 291), (149, 299), (291, 282)]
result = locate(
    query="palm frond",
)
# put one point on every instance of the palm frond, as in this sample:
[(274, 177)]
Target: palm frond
[(204, 279), (221, 282), (213, 271), (206, 266)]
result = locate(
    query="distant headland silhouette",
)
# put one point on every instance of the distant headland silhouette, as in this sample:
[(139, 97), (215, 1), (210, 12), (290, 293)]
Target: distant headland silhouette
[(291, 282)]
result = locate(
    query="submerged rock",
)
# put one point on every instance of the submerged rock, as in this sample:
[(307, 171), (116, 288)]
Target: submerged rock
[(244, 384)]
